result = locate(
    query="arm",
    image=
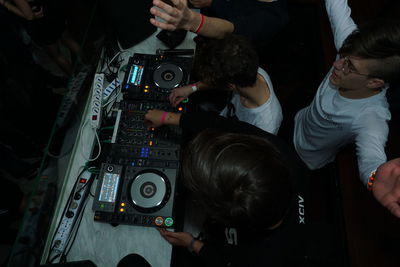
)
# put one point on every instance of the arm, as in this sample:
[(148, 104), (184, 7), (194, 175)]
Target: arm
[(341, 22), (371, 136), (180, 16), (213, 255), (12, 8), (178, 94), (182, 239), (23, 9), (156, 118)]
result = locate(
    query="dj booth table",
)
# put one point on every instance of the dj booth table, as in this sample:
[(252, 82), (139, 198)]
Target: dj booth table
[(101, 242)]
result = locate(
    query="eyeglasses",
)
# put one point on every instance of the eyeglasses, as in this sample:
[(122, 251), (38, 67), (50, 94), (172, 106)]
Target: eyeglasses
[(348, 67)]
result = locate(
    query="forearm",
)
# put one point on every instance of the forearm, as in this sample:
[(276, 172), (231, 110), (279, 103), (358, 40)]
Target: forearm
[(209, 26), (172, 118), (370, 148), (339, 14), (201, 86), (215, 28), (12, 8)]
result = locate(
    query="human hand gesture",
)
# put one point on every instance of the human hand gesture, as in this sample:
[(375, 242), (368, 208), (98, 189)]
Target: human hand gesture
[(386, 187), (201, 3), (178, 94), (178, 16)]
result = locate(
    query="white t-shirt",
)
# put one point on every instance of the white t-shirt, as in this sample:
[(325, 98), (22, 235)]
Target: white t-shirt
[(267, 117), (332, 121)]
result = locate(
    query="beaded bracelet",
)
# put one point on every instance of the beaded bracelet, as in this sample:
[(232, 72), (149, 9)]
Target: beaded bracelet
[(371, 181)]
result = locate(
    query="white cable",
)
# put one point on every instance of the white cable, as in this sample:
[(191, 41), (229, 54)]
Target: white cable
[(114, 57), (83, 146)]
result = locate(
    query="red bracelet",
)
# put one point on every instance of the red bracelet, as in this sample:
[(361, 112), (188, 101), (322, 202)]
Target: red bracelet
[(371, 181), (163, 117), (201, 24)]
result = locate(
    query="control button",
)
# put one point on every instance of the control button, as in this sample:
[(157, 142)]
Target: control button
[(159, 221), (77, 196), (69, 214), (110, 168), (168, 222)]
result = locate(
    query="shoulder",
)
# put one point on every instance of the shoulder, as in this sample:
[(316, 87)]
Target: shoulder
[(372, 118)]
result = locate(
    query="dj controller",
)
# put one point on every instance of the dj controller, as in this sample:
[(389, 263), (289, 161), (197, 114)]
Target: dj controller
[(138, 178)]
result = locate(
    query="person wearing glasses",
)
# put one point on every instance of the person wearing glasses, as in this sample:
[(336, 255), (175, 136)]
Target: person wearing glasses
[(350, 104)]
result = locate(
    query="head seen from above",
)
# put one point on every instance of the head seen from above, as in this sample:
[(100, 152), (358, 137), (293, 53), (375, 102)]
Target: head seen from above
[(370, 57), (240, 180), (227, 62)]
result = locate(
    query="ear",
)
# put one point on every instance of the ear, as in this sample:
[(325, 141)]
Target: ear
[(375, 83)]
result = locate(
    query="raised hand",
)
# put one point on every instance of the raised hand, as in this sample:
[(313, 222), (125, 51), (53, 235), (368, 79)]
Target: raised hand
[(178, 16), (386, 187)]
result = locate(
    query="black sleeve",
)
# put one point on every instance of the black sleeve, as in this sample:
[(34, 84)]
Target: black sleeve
[(216, 255), (254, 19), (194, 123)]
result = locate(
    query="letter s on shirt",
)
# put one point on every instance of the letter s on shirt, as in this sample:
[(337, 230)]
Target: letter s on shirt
[(231, 236)]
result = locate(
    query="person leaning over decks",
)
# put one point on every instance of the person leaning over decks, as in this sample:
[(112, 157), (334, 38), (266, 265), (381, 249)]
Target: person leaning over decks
[(253, 190)]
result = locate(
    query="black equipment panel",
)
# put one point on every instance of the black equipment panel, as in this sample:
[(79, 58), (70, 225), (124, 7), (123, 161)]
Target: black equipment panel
[(138, 177)]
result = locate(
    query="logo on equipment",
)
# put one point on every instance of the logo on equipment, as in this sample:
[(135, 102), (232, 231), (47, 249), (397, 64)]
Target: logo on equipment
[(302, 217)]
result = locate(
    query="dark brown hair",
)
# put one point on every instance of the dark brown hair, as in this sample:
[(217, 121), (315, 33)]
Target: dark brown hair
[(379, 40), (239, 179), (232, 59)]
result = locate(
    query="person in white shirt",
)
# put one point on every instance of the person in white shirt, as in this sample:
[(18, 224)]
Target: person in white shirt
[(231, 63), (350, 104)]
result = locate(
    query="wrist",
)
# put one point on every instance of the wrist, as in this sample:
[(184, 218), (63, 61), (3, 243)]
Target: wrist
[(371, 180), (195, 246), (194, 87), (163, 116), (170, 118), (195, 21)]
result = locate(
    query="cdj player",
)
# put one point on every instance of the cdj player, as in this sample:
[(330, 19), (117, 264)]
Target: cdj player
[(138, 178), (151, 77)]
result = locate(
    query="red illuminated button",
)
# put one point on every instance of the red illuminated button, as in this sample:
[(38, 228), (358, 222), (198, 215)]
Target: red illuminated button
[(159, 221)]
